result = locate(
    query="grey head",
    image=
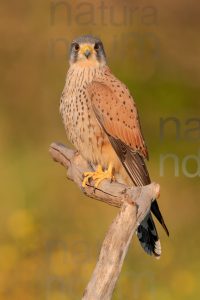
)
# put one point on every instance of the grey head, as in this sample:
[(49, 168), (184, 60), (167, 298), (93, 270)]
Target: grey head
[(87, 50)]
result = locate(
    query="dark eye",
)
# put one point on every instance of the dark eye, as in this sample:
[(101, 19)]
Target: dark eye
[(96, 46), (76, 47)]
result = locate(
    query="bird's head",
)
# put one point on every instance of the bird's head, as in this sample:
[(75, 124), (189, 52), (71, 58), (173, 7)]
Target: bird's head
[(87, 51)]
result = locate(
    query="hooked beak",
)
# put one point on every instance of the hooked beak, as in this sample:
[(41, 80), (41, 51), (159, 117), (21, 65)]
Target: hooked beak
[(86, 50), (87, 53)]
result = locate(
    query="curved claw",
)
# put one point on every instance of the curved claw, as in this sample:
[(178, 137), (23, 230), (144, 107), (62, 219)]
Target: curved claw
[(98, 176)]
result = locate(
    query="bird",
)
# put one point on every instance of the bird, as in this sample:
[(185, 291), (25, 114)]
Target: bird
[(101, 120)]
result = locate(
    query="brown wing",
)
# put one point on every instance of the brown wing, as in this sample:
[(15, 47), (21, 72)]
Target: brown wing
[(117, 111), (117, 114)]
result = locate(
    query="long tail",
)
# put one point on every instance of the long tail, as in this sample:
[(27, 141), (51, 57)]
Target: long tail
[(135, 166), (148, 237), (147, 233)]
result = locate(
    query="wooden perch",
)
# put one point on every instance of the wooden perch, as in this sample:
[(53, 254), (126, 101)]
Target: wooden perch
[(134, 203)]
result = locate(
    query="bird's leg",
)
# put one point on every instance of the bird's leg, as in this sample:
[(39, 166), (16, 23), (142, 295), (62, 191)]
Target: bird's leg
[(98, 175)]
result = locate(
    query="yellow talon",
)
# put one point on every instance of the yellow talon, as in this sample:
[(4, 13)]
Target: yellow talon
[(98, 176)]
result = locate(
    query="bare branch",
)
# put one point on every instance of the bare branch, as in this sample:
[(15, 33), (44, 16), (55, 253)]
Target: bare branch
[(134, 203)]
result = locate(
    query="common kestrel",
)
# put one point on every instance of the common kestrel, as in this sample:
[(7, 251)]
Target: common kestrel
[(101, 120)]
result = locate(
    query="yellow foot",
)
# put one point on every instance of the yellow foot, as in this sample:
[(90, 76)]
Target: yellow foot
[(98, 176)]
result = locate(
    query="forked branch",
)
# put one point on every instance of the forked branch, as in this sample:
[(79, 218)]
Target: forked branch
[(134, 204)]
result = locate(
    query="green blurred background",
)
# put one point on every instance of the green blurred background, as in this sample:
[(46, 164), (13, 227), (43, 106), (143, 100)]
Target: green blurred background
[(50, 234)]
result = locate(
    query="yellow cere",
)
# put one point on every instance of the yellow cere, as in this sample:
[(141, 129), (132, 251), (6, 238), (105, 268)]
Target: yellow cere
[(85, 47)]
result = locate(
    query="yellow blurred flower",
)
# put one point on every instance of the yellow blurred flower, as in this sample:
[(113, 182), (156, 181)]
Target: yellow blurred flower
[(21, 224)]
